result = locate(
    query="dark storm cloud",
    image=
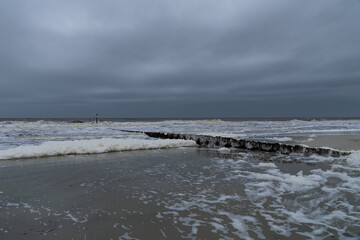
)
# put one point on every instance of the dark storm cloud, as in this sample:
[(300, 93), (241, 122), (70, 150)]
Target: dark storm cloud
[(179, 58)]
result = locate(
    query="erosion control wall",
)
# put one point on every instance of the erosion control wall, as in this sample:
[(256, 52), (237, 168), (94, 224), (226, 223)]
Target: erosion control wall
[(219, 142)]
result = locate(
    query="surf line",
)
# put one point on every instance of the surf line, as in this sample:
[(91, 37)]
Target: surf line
[(226, 142)]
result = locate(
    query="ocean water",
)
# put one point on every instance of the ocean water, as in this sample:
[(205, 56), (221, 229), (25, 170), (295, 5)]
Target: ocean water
[(143, 188), (34, 133)]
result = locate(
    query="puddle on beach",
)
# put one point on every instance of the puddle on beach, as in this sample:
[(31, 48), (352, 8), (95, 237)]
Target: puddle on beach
[(179, 193)]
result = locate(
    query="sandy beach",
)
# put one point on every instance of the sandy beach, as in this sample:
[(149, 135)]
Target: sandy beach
[(339, 142), (173, 194)]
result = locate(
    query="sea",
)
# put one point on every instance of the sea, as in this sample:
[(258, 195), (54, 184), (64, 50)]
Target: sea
[(78, 179)]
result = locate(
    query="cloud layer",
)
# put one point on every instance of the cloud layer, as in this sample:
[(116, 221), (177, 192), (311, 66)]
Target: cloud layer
[(187, 58)]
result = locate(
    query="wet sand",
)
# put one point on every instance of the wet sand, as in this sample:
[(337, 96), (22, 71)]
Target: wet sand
[(339, 142), (185, 193)]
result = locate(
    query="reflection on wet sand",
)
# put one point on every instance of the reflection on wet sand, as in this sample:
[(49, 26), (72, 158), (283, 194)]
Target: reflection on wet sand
[(179, 193)]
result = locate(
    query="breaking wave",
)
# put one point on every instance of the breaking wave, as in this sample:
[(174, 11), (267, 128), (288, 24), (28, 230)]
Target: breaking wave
[(104, 145), (354, 159)]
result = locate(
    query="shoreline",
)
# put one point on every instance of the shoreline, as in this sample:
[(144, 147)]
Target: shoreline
[(339, 142), (146, 194)]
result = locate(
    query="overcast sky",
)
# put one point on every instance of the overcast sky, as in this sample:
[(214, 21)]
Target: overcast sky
[(182, 58)]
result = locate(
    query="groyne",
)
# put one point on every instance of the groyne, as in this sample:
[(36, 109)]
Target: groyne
[(226, 142)]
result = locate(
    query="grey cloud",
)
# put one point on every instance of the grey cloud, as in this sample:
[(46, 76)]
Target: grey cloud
[(179, 58)]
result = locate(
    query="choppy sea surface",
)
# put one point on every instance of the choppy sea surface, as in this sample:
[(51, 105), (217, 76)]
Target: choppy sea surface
[(25, 133), (171, 189)]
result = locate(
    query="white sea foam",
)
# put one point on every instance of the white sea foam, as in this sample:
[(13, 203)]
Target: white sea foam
[(56, 148), (266, 165), (354, 159), (223, 149), (281, 139)]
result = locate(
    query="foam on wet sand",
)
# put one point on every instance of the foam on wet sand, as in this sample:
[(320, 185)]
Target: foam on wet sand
[(181, 193)]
